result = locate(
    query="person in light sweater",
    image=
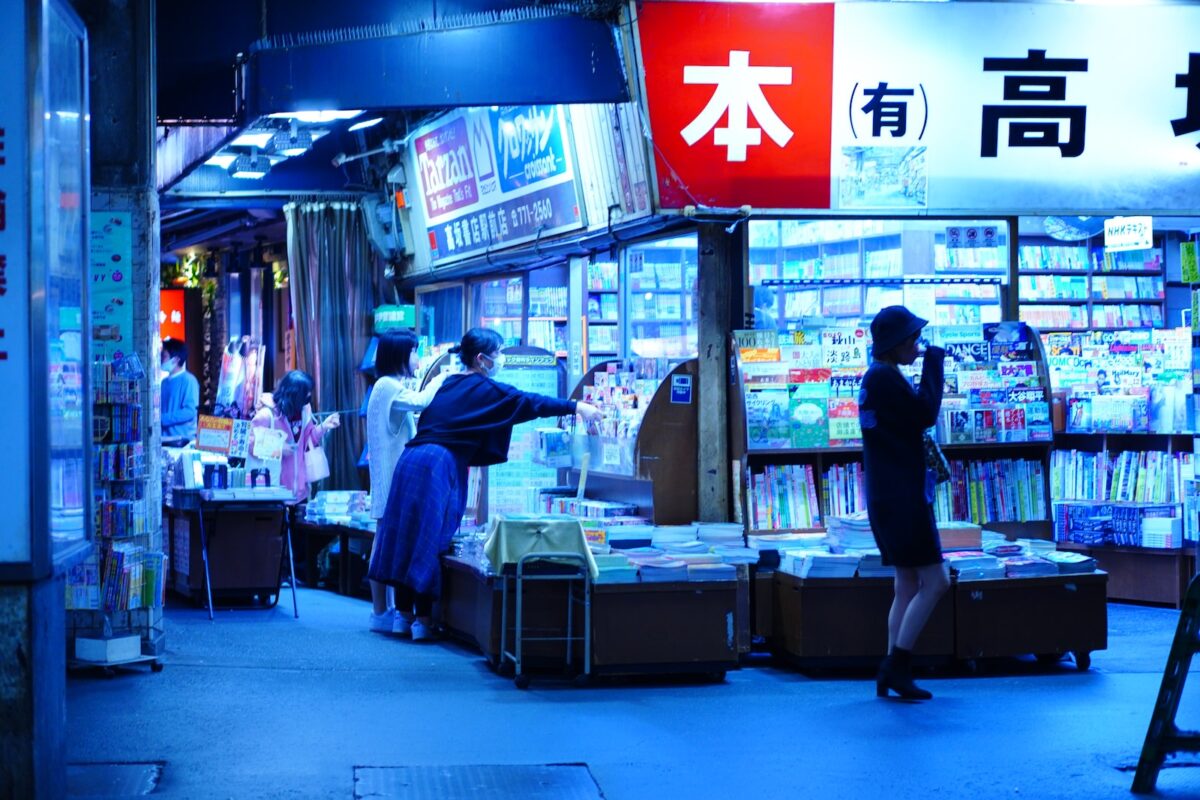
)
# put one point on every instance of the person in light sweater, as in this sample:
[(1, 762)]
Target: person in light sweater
[(395, 398), (180, 393)]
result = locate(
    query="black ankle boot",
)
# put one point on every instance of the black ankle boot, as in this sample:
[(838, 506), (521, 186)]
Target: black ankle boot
[(895, 674)]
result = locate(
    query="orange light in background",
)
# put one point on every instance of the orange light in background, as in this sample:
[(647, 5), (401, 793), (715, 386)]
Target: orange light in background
[(171, 316)]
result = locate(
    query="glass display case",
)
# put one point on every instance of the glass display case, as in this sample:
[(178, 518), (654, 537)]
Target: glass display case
[(44, 237), (661, 300)]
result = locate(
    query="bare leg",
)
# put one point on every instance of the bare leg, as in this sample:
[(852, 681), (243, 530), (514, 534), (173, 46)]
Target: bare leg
[(907, 584), (379, 591), (933, 584)]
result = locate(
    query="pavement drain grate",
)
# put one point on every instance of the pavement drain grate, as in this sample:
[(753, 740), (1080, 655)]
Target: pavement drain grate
[(113, 780), (472, 781)]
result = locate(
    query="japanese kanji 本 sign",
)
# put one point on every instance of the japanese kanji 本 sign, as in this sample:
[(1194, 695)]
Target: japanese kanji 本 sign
[(739, 112), (919, 107)]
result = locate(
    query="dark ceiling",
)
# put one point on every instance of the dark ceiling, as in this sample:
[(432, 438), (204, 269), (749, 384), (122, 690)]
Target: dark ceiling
[(198, 42)]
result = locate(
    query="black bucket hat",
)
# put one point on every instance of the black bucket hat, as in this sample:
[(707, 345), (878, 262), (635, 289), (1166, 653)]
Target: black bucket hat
[(892, 326)]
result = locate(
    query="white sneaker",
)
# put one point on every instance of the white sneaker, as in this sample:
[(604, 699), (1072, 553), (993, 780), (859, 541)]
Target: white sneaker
[(402, 626), (382, 623), (421, 632)]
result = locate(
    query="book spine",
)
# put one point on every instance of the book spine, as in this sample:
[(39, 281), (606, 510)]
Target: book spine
[(812, 494)]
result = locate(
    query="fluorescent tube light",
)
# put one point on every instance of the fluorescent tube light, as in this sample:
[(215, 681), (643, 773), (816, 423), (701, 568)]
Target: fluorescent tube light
[(367, 123), (328, 115), (252, 138)]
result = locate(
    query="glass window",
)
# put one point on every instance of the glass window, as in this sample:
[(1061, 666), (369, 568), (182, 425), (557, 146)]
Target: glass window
[(806, 272), (439, 319), (66, 198), (662, 300), (500, 305), (548, 309)]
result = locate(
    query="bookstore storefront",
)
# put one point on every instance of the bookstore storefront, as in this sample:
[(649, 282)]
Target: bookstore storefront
[(975, 185)]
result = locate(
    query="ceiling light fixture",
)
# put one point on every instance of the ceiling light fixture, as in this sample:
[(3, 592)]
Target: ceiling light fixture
[(222, 160), (328, 115), (292, 142), (366, 123), (253, 167), (253, 138)]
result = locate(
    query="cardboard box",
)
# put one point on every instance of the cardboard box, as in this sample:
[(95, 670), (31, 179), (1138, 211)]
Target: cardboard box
[(108, 651)]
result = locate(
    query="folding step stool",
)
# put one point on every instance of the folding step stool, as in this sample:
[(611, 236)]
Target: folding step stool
[(1163, 738)]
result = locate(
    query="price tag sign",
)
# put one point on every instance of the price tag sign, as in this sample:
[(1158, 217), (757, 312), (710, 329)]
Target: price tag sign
[(214, 434)]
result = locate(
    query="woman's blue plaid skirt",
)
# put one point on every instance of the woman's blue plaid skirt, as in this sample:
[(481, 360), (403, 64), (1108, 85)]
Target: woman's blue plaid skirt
[(424, 509)]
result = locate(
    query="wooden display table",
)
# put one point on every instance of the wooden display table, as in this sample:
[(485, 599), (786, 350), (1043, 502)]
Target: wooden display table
[(637, 628), (640, 628), (1044, 616), (1142, 574), (847, 618)]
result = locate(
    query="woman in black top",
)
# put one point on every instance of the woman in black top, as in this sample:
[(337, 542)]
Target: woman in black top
[(468, 423), (899, 484)]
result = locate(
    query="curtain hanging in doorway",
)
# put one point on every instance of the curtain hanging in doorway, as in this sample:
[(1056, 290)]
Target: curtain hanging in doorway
[(334, 279)]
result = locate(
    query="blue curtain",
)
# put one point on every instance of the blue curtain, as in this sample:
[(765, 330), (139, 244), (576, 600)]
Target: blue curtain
[(335, 279)]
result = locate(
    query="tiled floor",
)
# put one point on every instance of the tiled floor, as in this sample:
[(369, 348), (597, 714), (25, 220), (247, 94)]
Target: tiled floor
[(259, 705)]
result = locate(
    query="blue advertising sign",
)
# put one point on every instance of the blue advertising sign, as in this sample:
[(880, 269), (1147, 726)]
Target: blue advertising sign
[(681, 389), (529, 145), (494, 178)]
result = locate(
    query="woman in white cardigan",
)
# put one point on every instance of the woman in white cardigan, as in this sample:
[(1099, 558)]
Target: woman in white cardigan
[(395, 398)]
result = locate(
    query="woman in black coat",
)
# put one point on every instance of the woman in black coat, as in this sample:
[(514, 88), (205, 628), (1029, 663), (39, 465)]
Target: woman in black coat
[(900, 485)]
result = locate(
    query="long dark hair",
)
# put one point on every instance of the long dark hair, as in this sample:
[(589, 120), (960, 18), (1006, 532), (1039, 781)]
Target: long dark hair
[(476, 341), (293, 393), (394, 354)]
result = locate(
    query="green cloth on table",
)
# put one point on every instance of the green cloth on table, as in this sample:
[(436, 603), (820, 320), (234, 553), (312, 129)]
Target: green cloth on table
[(516, 535)]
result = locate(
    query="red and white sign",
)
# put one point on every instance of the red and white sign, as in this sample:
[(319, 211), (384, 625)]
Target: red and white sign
[(923, 107), (172, 322), (740, 97)]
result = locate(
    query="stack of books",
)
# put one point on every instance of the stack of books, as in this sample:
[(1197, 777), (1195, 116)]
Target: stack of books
[(1003, 549), (974, 565), (1028, 567), (615, 568), (852, 532), (960, 535), (1071, 563), (663, 570), (871, 565), (737, 555), (820, 564), (664, 535), (785, 541), (711, 572), (720, 533)]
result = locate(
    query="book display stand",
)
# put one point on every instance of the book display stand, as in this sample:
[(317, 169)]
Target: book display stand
[(653, 466), (115, 596), (794, 419)]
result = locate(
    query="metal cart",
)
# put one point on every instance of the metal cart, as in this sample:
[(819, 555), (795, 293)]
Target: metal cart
[(571, 568)]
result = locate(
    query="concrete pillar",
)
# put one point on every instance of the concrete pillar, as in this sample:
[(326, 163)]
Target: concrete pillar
[(722, 262)]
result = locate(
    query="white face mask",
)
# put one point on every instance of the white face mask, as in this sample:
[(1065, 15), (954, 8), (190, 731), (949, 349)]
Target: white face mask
[(497, 364)]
